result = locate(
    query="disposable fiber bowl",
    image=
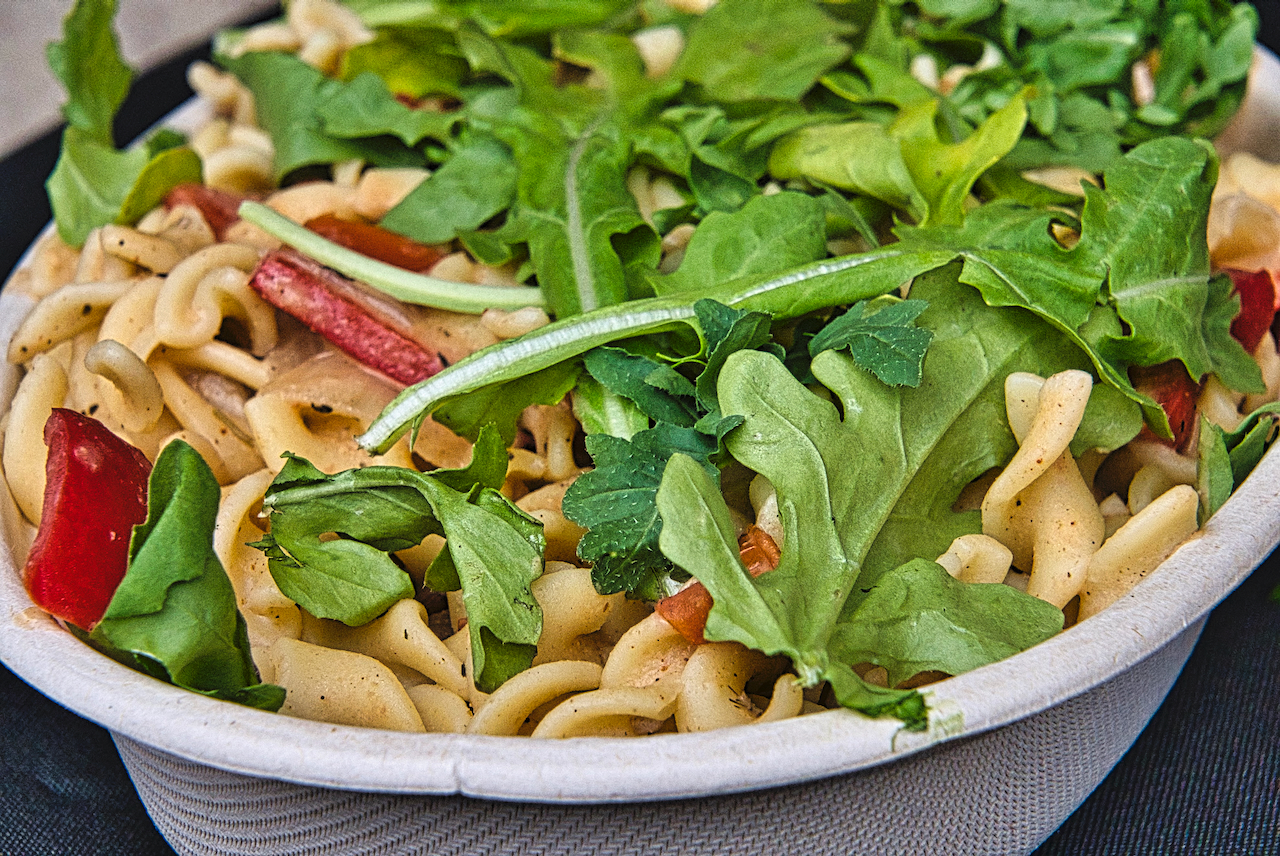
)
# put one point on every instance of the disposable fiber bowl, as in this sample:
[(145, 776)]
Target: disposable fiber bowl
[(1011, 749)]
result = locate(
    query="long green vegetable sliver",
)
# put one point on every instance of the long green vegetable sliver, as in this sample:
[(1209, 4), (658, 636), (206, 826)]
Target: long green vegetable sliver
[(397, 282), (786, 295)]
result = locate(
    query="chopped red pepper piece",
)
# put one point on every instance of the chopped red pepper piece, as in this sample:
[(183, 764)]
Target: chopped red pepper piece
[(1257, 291), (220, 209), (95, 493), (315, 295), (376, 242), (687, 609), (1174, 390)]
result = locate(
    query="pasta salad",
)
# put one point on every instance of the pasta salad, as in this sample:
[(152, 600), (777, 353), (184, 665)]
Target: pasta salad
[(562, 373)]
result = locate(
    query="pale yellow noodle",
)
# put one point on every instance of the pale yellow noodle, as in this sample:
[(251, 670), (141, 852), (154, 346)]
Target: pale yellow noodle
[(195, 414), (571, 609), (43, 388), (713, 693), (150, 252), (442, 711), (977, 559), (607, 713), (400, 636), (70, 310), (1138, 547), (650, 652), (511, 704), (341, 687), (142, 400)]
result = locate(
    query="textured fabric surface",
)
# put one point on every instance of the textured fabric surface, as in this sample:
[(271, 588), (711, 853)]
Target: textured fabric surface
[(997, 793), (1205, 776)]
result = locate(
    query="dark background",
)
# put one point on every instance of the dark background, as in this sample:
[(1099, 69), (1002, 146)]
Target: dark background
[(1204, 778)]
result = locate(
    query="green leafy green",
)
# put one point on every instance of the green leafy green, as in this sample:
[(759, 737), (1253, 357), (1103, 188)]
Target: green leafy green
[(768, 234), (413, 61), (917, 618), (93, 183), (473, 186), (782, 49), (616, 503), (365, 107), (290, 98), (331, 535), (174, 614), (88, 63), (1225, 458), (882, 339)]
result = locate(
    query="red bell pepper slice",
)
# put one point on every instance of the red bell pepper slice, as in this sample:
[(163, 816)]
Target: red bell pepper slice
[(1257, 291), (95, 493), (315, 295), (687, 609), (220, 209), (376, 242), (1174, 390)]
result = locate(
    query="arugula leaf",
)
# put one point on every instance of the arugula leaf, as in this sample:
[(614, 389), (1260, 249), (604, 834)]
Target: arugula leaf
[(616, 503), (174, 614), (767, 235), (1225, 458), (884, 340), (365, 107), (632, 376), (473, 186), (414, 61), (289, 96), (903, 163), (88, 63), (495, 550), (93, 183), (917, 618), (783, 47)]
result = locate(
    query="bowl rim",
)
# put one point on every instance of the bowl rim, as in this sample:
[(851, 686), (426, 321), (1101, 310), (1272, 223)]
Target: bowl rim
[(658, 767)]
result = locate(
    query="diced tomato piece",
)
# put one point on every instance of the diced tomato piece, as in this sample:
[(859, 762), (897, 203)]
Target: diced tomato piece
[(687, 609), (95, 493), (1175, 391), (314, 295), (1257, 291), (219, 208), (376, 242)]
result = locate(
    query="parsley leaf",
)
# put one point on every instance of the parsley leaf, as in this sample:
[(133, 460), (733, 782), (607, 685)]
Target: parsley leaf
[(883, 340)]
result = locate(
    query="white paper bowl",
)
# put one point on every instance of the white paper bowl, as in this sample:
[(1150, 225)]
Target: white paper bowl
[(1011, 750)]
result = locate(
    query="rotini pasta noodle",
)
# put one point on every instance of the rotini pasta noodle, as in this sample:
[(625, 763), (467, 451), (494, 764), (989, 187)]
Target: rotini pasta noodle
[(341, 687), (571, 609), (441, 710), (43, 388), (1039, 506), (141, 401), (95, 264), (1138, 547), (268, 614), (1268, 359), (150, 252), (206, 289), (238, 456), (650, 652), (381, 188), (713, 693), (401, 637), (303, 202), (977, 559), (70, 310), (511, 704), (316, 410), (618, 712)]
